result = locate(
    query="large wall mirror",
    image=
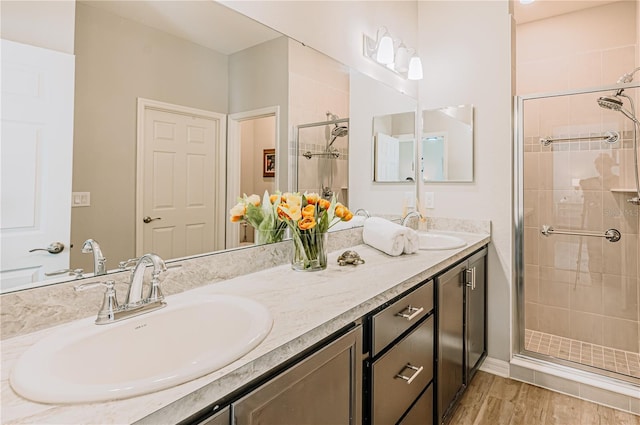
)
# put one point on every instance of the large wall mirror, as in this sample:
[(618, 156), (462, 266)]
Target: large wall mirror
[(394, 147), (200, 57), (446, 144)]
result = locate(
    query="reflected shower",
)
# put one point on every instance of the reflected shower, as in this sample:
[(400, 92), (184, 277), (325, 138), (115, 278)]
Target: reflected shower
[(338, 131)]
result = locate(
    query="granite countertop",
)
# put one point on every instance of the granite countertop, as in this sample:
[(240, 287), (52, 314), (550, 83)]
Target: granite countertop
[(306, 307)]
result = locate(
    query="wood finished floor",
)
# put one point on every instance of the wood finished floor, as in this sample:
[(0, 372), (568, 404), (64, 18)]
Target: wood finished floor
[(493, 400)]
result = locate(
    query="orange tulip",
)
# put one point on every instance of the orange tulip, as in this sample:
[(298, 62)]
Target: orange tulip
[(309, 211), (348, 216), (273, 199), (324, 204), (340, 210), (307, 223), (312, 198)]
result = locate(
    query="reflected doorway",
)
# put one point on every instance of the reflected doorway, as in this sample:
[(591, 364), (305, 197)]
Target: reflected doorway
[(252, 138)]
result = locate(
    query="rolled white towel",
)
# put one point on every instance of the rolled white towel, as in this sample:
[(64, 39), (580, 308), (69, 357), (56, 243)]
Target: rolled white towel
[(411, 241), (384, 235)]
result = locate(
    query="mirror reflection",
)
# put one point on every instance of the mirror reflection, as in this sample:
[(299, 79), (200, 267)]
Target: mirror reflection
[(394, 148), (178, 108), (446, 145)]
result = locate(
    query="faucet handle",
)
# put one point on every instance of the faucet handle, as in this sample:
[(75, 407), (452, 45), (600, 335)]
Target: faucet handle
[(128, 263), (109, 305)]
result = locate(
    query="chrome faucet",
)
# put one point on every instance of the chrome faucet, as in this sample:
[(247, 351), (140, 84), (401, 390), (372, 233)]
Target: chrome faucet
[(134, 297), (99, 267), (363, 211), (406, 218), (135, 304)]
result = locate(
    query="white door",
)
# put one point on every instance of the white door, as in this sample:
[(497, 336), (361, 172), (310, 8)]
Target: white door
[(36, 161), (178, 160)]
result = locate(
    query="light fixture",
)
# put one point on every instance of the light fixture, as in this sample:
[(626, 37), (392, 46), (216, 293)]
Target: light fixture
[(384, 52), (415, 68), (393, 55), (401, 63)]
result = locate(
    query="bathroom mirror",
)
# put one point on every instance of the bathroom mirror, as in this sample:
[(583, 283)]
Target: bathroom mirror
[(446, 144), (394, 147), (122, 52)]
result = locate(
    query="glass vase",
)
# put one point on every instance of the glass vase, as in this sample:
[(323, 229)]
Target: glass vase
[(262, 237), (309, 251)]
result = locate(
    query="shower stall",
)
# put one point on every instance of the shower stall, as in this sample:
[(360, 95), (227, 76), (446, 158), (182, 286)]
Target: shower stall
[(322, 158), (577, 226)]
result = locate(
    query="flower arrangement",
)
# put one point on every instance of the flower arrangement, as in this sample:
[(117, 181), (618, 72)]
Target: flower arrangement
[(261, 215), (308, 216)]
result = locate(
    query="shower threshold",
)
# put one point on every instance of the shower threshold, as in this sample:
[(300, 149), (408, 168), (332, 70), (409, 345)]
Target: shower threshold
[(605, 358)]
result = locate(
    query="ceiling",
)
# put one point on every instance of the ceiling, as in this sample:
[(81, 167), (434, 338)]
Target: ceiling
[(541, 9), (206, 23)]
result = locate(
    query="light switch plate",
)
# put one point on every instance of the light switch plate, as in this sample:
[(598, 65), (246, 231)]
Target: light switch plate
[(80, 199), (429, 200)]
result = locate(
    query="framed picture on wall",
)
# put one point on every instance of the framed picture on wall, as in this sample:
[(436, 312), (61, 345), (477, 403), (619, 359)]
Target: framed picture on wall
[(269, 163)]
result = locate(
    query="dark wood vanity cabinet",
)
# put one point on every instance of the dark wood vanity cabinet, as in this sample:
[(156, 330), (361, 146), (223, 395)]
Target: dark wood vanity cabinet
[(461, 329), (399, 367), (407, 364), (323, 388)]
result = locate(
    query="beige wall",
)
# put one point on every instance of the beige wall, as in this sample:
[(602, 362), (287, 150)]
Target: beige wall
[(257, 79), (466, 51), (47, 24), (118, 61), (586, 289), (336, 28)]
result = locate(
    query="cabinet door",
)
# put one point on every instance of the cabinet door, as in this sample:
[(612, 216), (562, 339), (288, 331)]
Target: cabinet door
[(476, 314), (450, 311), (325, 388)]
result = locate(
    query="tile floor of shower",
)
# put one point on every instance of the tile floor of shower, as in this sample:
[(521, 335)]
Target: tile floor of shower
[(610, 359)]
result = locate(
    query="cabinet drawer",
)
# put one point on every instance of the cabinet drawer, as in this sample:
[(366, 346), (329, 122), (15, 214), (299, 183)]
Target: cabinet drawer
[(391, 322), (401, 374), (422, 412)]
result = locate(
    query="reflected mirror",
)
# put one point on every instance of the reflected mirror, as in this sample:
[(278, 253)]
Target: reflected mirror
[(446, 145), (394, 147)]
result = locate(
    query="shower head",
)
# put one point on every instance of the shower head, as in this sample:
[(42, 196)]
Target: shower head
[(610, 102), (615, 104), (338, 131)]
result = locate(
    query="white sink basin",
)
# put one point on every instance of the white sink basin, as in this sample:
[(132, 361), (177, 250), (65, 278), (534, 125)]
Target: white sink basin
[(187, 339), (436, 241)]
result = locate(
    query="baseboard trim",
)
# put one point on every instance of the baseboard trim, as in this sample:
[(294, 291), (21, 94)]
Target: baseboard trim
[(495, 366)]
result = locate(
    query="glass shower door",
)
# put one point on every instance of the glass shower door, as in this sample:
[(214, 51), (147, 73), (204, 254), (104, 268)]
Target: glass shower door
[(578, 253)]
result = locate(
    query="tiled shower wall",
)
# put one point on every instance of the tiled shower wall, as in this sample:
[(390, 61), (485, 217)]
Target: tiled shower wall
[(583, 288), (313, 75)]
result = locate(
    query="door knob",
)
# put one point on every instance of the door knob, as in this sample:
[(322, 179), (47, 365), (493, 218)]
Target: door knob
[(148, 219), (53, 248)]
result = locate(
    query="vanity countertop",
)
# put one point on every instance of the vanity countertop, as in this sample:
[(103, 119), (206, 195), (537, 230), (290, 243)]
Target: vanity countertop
[(306, 307)]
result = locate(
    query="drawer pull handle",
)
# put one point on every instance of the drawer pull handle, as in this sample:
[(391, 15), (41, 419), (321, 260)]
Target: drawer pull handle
[(416, 372), (410, 312)]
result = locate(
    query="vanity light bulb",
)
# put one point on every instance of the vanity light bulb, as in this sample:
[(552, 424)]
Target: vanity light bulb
[(415, 68), (402, 59), (384, 54)]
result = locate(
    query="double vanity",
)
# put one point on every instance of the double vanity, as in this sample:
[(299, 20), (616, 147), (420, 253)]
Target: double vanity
[(372, 343)]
